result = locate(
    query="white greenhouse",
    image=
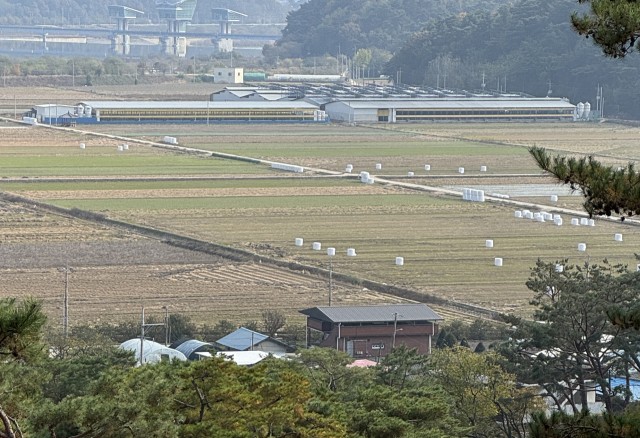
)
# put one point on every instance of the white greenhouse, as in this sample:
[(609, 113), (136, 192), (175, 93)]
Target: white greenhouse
[(152, 351)]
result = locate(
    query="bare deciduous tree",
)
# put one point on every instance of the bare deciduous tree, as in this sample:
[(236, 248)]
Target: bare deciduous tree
[(273, 321)]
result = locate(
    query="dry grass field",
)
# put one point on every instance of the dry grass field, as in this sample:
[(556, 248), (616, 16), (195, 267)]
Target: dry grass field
[(254, 207)]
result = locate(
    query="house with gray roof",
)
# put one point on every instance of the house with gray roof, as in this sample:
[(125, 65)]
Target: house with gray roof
[(373, 331), (244, 339)]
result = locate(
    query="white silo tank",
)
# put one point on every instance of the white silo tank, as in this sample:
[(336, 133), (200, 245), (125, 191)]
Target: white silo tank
[(87, 111), (580, 109), (587, 110)]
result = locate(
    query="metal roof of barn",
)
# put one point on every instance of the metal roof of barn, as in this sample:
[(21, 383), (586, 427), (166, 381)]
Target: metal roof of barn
[(462, 103), (105, 104), (191, 346), (356, 314)]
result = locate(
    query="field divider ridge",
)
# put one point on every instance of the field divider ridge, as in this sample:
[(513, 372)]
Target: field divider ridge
[(242, 255)]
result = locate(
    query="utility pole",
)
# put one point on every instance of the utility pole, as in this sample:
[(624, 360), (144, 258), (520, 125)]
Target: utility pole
[(330, 280), (73, 72), (66, 300), (15, 107), (166, 325), (395, 329), (142, 338)]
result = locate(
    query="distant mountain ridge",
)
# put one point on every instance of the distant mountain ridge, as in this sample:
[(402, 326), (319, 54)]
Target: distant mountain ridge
[(83, 12), (321, 27)]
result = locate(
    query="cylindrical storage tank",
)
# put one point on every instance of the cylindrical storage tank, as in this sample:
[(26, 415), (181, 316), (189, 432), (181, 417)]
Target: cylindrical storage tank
[(400, 261), (558, 221), (331, 251), (87, 111), (518, 214), (587, 110), (460, 169), (488, 243), (618, 237), (559, 268), (378, 166), (582, 246), (255, 77), (409, 173), (575, 221), (351, 252), (584, 221), (82, 146), (498, 261), (592, 223), (580, 108), (317, 246), (120, 148), (299, 241), (80, 110), (427, 167), (483, 168), (554, 198)]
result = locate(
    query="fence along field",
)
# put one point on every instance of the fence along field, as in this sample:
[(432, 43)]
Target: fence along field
[(440, 237)]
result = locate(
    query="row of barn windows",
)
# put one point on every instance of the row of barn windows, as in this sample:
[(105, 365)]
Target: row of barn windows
[(481, 112), (204, 113)]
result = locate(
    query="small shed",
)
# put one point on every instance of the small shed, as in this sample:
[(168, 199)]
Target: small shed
[(244, 339)]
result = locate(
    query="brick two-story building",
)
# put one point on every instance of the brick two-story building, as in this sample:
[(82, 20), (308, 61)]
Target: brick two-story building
[(372, 331)]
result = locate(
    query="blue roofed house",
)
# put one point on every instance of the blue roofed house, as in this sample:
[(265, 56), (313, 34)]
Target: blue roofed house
[(244, 339)]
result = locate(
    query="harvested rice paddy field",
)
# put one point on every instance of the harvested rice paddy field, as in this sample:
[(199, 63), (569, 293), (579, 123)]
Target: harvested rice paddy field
[(254, 207)]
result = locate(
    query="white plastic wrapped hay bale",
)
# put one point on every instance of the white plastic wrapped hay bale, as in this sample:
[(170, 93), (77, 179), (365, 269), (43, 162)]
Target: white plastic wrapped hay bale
[(480, 195), (575, 221), (120, 149), (558, 221), (400, 261), (559, 268), (331, 251), (592, 223), (483, 168), (488, 243), (351, 252), (518, 214), (618, 237), (82, 146), (582, 247), (497, 261), (379, 166), (427, 167), (554, 198), (460, 169), (299, 241), (584, 221), (410, 173), (317, 246)]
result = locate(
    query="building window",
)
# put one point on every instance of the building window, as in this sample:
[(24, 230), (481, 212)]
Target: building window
[(229, 73), (377, 346), (219, 73)]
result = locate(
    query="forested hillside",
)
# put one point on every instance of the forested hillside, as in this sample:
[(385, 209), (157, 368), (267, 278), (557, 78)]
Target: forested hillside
[(530, 43), (91, 12), (326, 26)]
